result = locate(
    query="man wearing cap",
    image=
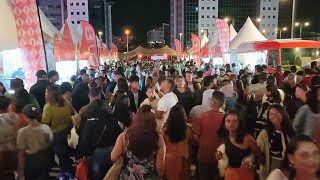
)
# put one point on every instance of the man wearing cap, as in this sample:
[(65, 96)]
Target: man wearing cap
[(39, 89)]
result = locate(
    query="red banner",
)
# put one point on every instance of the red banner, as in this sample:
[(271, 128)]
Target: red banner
[(205, 52), (196, 48), (178, 48), (89, 44), (224, 37), (29, 38), (114, 50)]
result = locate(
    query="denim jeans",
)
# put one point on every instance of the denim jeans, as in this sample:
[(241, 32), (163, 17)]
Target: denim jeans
[(99, 163), (64, 152)]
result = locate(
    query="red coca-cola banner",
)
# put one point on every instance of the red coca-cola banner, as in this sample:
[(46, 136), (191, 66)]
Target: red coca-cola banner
[(178, 48), (196, 48), (29, 38), (224, 37), (89, 44)]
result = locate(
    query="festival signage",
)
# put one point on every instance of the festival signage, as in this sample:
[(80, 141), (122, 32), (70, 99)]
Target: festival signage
[(88, 44), (224, 37), (66, 46), (205, 52), (196, 48), (29, 38), (178, 48)]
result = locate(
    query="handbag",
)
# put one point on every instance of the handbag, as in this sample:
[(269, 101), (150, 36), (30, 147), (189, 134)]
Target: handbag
[(73, 137), (82, 170), (82, 166)]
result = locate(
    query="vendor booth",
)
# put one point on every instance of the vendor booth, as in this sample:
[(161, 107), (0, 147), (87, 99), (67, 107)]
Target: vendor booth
[(284, 52)]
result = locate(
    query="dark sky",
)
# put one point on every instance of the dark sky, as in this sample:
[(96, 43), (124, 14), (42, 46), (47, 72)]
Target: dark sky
[(143, 15), (139, 15)]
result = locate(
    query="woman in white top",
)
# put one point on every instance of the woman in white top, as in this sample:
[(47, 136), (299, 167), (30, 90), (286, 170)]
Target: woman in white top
[(152, 99), (301, 163), (33, 142)]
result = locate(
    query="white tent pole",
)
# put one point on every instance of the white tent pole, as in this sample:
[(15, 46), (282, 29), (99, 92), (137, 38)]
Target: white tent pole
[(76, 56)]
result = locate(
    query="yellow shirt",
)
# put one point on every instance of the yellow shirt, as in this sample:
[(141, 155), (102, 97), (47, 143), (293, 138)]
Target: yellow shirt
[(57, 118)]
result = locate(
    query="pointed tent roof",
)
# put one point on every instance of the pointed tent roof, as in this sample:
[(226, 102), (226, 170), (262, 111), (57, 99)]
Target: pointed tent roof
[(247, 33), (233, 32), (8, 35)]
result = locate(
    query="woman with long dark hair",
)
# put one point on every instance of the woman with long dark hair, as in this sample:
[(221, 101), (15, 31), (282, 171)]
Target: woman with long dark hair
[(143, 147), (273, 97), (301, 162), (176, 134), (185, 96), (56, 114), (22, 99), (97, 138), (241, 148), (307, 115), (122, 113), (274, 139)]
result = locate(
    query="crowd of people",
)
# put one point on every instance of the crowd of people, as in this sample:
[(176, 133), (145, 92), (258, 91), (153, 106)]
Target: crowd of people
[(165, 119)]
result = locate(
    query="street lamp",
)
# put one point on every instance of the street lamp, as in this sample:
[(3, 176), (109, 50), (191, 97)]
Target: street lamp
[(306, 24), (282, 29), (99, 49), (226, 20), (127, 33), (258, 19)]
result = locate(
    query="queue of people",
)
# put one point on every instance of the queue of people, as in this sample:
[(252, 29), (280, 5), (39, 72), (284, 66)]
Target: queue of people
[(164, 119)]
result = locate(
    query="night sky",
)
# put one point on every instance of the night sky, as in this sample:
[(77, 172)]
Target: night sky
[(143, 15), (139, 15)]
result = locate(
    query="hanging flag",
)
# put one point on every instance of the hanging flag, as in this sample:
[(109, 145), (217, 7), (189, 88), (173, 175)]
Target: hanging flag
[(224, 37), (89, 44), (178, 48), (114, 51), (204, 40), (29, 38), (205, 52), (196, 48)]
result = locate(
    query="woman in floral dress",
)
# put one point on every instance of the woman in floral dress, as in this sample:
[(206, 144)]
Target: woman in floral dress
[(142, 147)]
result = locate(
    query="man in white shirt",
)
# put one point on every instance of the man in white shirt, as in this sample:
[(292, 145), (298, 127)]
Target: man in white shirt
[(166, 102)]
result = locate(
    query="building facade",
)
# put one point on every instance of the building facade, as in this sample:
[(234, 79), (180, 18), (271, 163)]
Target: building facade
[(208, 12), (55, 11), (237, 11), (176, 20), (269, 15), (77, 11), (121, 42), (158, 36)]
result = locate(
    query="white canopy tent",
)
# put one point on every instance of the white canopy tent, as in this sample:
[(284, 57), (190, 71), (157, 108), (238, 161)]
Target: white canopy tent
[(247, 33), (8, 31), (233, 32)]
